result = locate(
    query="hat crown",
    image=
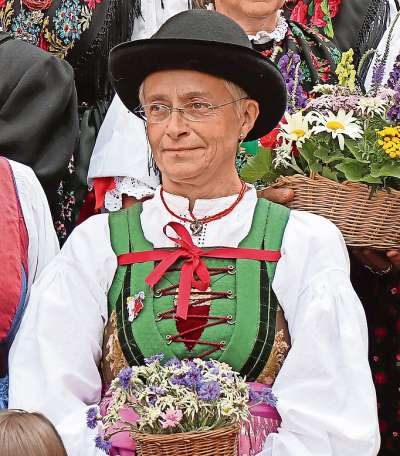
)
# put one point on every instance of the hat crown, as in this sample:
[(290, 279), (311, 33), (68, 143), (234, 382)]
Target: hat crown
[(203, 25)]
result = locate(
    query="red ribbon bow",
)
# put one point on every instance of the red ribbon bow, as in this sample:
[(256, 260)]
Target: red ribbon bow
[(194, 272)]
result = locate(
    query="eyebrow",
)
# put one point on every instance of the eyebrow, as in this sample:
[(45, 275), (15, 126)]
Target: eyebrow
[(187, 95)]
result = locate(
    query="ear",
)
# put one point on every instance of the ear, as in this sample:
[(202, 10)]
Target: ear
[(251, 111)]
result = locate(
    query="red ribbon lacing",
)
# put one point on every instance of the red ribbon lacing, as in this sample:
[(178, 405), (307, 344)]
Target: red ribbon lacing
[(190, 330), (194, 272)]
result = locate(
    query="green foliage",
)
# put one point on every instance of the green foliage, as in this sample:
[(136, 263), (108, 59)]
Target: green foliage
[(259, 168)]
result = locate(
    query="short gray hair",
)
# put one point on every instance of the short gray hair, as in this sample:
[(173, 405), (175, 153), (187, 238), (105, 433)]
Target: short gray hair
[(236, 92)]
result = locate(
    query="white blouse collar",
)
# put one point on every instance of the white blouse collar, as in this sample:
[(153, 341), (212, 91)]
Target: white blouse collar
[(227, 231)]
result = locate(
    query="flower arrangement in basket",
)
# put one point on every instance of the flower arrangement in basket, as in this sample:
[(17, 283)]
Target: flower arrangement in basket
[(341, 154), (184, 407)]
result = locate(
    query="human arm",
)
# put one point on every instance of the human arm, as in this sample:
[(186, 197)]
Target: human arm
[(55, 357), (325, 392)]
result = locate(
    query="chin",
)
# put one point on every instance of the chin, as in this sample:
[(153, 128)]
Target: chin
[(183, 174)]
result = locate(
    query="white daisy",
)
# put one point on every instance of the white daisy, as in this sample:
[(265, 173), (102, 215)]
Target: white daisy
[(297, 128), (339, 125)]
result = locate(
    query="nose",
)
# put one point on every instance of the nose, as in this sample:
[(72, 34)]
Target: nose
[(177, 126)]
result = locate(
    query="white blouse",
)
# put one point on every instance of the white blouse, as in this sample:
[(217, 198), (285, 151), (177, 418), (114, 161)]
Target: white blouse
[(326, 396), (43, 242)]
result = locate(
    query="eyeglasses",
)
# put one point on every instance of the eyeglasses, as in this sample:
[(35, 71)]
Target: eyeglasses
[(196, 111)]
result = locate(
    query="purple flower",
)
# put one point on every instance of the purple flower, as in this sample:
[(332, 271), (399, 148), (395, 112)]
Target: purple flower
[(214, 371), (209, 391), (125, 377), (177, 379), (193, 377), (255, 396), (154, 359), (269, 397), (394, 83), (378, 73), (91, 418), (290, 67), (102, 444), (174, 362), (155, 392)]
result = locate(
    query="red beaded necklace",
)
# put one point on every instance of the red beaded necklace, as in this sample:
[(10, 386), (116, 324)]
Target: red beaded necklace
[(196, 225)]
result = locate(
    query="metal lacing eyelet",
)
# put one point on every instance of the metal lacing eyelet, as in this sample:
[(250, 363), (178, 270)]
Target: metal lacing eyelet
[(169, 339), (222, 345), (157, 294), (230, 320), (159, 317), (230, 294), (231, 269)]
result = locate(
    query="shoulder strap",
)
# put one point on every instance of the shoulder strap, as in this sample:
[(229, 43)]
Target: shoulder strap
[(277, 218), (13, 252), (120, 243)]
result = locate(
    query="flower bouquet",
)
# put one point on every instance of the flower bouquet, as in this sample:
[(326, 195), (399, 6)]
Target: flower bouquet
[(183, 407), (341, 154)]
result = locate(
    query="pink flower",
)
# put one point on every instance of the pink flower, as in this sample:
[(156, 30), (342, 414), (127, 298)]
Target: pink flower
[(300, 13), (334, 6), (318, 18), (172, 418), (92, 3)]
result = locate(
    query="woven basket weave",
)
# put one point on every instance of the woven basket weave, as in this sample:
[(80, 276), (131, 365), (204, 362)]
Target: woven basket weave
[(364, 221), (219, 442)]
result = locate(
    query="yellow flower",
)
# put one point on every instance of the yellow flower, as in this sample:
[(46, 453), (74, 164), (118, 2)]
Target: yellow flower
[(390, 141), (345, 70)]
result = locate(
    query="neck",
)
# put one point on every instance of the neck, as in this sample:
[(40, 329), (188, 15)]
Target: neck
[(218, 188), (251, 25)]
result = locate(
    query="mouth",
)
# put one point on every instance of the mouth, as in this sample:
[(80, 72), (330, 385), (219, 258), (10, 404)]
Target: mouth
[(181, 149)]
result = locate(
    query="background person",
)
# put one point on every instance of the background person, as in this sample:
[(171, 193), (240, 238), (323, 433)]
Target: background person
[(24, 433)]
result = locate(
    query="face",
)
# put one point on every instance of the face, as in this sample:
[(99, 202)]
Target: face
[(195, 151), (250, 8)]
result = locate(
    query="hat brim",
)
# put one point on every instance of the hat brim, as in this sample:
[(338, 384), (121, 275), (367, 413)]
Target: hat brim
[(130, 63)]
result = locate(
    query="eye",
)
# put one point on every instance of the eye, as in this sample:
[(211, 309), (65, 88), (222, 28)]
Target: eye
[(156, 108), (200, 106)]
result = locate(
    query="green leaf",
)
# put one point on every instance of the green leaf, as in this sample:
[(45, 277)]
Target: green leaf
[(386, 169), (353, 170), (371, 180), (259, 167), (354, 149), (307, 151), (329, 173), (324, 154)]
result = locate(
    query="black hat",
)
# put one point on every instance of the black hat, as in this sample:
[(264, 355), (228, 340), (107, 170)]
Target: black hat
[(204, 41)]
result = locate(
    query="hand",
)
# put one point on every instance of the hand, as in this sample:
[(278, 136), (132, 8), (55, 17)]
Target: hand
[(277, 195), (380, 263)]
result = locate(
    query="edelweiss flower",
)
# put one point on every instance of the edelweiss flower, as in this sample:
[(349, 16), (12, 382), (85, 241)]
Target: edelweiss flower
[(283, 155), (340, 125), (297, 128), (372, 105)]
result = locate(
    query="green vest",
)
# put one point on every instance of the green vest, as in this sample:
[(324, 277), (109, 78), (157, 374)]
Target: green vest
[(240, 322)]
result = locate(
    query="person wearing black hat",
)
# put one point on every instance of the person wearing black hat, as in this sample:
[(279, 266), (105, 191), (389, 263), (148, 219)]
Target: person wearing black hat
[(293, 46), (38, 112), (284, 314)]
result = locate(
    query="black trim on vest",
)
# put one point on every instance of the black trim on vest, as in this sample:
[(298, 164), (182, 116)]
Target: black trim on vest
[(266, 334), (127, 341)]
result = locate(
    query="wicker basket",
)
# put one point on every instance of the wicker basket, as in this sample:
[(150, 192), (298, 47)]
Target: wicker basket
[(364, 221), (220, 442)]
